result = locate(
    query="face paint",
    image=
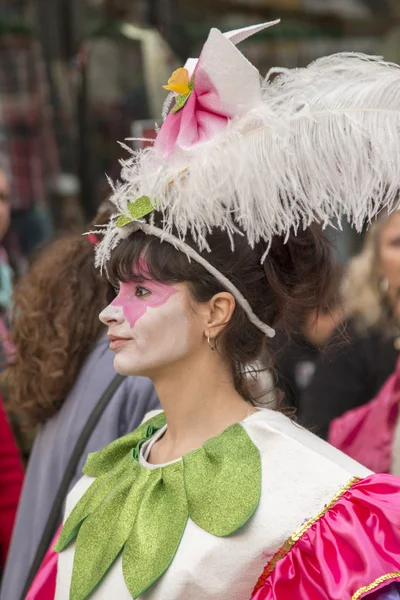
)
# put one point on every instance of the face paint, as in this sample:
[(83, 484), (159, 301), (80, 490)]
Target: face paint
[(135, 299), (150, 325), (134, 305)]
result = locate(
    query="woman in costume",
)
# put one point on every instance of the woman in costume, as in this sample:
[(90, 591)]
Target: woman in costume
[(350, 375), (213, 498)]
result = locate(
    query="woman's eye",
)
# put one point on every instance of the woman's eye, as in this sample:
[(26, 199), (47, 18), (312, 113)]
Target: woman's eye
[(141, 292)]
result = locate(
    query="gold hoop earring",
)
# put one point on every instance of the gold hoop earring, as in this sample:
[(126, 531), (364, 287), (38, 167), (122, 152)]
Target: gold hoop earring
[(212, 346)]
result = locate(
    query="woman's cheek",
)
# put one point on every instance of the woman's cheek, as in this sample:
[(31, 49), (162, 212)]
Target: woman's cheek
[(150, 326), (165, 325), (161, 336)]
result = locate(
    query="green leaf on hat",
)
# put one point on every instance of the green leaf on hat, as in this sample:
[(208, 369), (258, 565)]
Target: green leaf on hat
[(137, 210), (181, 99)]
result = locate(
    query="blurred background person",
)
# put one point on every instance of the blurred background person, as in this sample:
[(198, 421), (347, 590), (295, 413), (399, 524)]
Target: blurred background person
[(6, 275), (11, 469), (296, 356), (370, 433), (355, 368), (61, 369), (11, 479)]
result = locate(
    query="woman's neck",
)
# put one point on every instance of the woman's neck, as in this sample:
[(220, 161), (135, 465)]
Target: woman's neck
[(199, 403)]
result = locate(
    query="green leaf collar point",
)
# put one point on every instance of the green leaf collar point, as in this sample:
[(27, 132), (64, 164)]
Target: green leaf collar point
[(113, 520), (165, 512), (90, 501), (142, 513), (229, 481)]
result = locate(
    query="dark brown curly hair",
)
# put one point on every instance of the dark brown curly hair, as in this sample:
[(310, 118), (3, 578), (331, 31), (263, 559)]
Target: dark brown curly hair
[(55, 324)]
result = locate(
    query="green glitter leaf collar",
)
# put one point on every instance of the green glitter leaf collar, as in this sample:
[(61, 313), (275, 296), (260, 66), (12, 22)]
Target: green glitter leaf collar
[(143, 512)]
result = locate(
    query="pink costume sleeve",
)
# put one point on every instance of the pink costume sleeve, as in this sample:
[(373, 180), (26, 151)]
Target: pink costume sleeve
[(350, 551), (44, 585), (366, 433)]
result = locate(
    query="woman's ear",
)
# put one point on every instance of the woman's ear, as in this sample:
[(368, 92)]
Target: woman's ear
[(221, 307)]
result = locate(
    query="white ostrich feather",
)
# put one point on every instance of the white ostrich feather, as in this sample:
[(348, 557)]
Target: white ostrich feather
[(323, 144)]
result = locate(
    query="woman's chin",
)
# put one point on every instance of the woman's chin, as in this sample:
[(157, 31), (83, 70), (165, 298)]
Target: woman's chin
[(123, 367), (126, 366)]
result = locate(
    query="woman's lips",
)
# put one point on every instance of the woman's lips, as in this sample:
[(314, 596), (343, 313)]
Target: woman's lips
[(116, 342)]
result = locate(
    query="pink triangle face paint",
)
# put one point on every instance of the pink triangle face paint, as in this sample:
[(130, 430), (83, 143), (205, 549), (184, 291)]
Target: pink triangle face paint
[(135, 305), (149, 325)]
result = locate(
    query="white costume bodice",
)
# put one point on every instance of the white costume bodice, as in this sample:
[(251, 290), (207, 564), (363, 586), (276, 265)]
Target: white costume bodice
[(300, 475)]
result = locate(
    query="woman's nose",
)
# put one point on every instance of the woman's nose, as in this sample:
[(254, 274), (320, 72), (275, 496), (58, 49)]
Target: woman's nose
[(111, 314)]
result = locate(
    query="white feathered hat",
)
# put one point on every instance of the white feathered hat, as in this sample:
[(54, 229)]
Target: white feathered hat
[(263, 157)]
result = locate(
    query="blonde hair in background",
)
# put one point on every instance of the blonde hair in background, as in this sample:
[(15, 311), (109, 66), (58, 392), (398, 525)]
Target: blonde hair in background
[(363, 297)]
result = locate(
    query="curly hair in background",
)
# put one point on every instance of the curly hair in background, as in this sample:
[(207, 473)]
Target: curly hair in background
[(55, 324)]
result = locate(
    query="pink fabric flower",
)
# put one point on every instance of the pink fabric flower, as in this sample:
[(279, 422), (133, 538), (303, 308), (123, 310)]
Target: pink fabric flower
[(225, 85)]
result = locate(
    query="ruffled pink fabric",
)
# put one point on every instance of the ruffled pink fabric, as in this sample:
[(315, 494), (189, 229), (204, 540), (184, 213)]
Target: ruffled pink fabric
[(199, 120), (44, 585), (225, 86), (352, 545), (366, 433)]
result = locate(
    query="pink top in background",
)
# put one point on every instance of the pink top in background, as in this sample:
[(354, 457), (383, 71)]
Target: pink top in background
[(366, 433)]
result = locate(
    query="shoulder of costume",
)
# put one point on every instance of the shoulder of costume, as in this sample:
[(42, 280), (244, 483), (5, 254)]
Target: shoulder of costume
[(99, 463), (351, 548), (268, 429), (340, 546)]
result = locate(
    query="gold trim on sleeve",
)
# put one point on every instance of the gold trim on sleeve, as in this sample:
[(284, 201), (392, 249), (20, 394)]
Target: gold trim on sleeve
[(288, 545), (308, 524), (374, 584)]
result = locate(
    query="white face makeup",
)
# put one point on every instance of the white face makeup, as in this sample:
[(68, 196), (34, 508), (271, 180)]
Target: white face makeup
[(149, 326)]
